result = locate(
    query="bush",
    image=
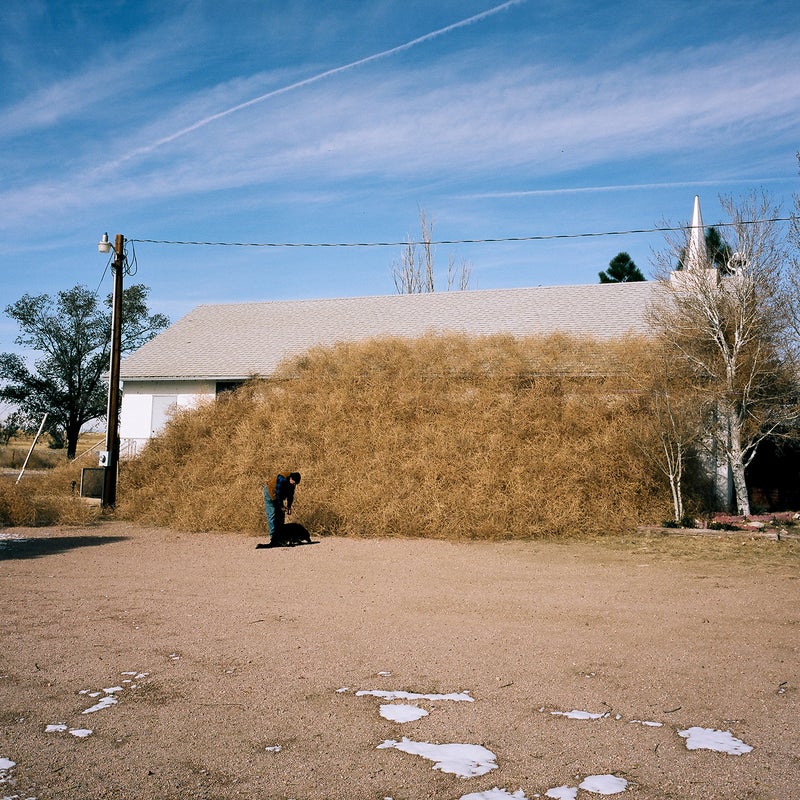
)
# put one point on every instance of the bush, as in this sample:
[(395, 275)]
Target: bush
[(445, 436), (16, 504), (46, 499), (716, 525)]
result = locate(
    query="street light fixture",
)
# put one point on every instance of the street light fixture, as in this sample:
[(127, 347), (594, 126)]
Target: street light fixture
[(110, 458)]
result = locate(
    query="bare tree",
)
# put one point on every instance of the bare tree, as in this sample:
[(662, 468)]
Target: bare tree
[(458, 274), (731, 330), (792, 309), (414, 273), (668, 429)]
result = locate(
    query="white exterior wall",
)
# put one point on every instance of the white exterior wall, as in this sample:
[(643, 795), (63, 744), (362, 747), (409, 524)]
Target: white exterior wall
[(145, 407)]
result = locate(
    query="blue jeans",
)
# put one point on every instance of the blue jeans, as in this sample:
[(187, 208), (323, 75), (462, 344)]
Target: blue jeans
[(275, 514)]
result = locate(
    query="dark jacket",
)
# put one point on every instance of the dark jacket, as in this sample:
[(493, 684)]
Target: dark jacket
[(281, 490)]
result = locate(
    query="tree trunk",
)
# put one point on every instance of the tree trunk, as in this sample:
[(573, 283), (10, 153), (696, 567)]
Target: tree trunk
[(73, 433), (677, 501), (675, 473), (737, 466)]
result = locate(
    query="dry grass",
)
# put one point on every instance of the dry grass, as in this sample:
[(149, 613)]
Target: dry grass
[(45, 498), (445, 437), (711, 549), (47, 493), (13, 455)]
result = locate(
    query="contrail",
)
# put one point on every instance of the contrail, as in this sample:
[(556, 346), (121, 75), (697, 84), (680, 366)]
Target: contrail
[(625, 187), (326, 74)]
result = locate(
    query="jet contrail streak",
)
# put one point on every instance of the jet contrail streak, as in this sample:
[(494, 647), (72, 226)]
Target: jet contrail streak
[(314, 78)]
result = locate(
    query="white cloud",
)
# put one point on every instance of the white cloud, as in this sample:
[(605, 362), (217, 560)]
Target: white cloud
[(414, 124)]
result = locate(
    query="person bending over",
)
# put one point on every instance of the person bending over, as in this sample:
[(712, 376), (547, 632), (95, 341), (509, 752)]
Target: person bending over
[(278, 499)]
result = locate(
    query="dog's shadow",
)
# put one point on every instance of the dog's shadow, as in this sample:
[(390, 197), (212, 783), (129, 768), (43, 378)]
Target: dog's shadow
[(262, 545), (291, 534)]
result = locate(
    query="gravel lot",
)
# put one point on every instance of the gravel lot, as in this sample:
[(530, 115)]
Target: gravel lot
[(236, 670)]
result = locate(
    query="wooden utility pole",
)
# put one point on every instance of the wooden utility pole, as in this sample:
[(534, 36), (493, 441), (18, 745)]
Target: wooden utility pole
[(112, 419)]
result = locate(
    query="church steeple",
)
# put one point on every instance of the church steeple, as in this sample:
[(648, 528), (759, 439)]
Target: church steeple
[(696, 253)]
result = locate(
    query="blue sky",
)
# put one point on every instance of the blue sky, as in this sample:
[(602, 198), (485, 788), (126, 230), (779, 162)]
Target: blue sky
[(317, 122)]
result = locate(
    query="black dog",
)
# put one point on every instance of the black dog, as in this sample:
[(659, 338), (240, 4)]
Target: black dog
[(288, 535)]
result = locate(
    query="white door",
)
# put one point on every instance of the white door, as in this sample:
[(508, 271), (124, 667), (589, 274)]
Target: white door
[(163, 406)]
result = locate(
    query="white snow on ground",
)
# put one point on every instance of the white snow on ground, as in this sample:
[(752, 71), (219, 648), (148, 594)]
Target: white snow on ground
[(494, 794), (80, 733), (464, 760), (575, 714), (108, 700), (402, 712), (6, 767), (709, 739), (597, 784), (562, 792), (603, 784), (470, 760), (455, 696)]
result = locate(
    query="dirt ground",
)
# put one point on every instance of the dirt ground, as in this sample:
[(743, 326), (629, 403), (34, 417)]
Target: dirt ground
[(236, 669)]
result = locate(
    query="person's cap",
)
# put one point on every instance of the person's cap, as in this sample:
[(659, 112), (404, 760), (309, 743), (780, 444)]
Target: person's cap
[(295, 476)]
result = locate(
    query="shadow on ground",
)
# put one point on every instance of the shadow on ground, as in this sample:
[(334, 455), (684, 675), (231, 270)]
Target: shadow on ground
[(46, 546)]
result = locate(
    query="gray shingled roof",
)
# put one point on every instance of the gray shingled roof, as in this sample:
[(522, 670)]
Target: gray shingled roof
[(233, 341)]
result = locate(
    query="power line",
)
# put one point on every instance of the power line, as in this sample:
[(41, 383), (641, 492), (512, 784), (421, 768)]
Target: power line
[(495, 240)]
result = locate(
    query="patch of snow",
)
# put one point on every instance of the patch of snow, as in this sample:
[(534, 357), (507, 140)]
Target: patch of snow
[(7, 763), (575, 714), (562, 793), (108, 700), (81, 733), (343, 689), (402, 712), (275, 748), (113, 689), (464, 760), (386, 695), (647, 723), (709, 739), (603, 784), (57, 728), (494, 794)]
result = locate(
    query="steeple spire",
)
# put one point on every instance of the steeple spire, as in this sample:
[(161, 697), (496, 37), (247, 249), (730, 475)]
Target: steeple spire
[(696, 253)]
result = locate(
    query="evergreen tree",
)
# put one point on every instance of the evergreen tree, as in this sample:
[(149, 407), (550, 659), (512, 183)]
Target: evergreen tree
[(621, 269)]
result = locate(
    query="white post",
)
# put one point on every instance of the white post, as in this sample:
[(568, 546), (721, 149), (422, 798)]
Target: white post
[(33, 444)]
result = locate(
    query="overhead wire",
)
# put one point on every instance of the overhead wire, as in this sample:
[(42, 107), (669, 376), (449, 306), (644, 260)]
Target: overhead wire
[(491, 240)]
